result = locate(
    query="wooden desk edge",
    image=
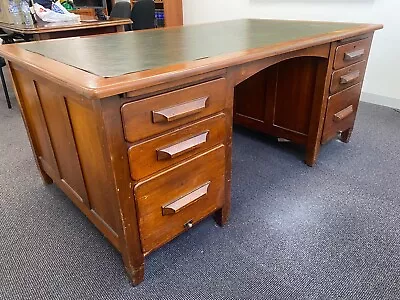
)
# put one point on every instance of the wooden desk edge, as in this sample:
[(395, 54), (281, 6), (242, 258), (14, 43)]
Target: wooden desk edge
[(66, 27), (95, 87)]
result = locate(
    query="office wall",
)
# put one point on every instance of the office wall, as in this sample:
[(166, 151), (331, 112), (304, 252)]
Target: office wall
[(204, 11), (381, 78)]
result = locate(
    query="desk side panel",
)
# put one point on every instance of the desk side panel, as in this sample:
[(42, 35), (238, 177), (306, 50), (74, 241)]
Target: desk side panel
[(67, 144)]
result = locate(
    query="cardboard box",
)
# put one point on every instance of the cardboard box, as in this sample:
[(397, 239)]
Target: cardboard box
[(5, 16)]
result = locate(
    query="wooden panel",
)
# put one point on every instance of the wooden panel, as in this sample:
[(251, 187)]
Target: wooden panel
[(90, 150), (184, 180), (291, 107), (250, 100), (145, 158), (173, 11), (279, 99), (352, 52), (143, 118), (341, 112), (344, 78), (36, 123), (62, 140)]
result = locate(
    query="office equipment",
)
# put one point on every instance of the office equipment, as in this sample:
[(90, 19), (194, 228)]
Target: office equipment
[(45, 31), (143, 147), (143, 15), (3, 81)]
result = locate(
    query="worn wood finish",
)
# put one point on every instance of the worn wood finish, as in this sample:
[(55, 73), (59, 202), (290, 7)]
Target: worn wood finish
[(347, 77), (147, 155), (45, 31), (151, 115), (351, 53), (264, 103), (183, 180), (341, 112)]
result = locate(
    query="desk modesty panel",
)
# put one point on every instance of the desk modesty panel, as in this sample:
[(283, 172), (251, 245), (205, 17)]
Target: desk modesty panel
[(143, 146)]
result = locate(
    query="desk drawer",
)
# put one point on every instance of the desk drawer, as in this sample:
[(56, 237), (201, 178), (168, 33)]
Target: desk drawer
[(170, 202), (154, 115), (351, 53), (344, 78), (341, 112), (161, 152)]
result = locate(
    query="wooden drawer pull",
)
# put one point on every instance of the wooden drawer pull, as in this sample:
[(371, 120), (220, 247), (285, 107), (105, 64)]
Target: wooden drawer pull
[(186, 200), (343, 114), (354, 55), (345, 79), (179, 111), (182, 147)]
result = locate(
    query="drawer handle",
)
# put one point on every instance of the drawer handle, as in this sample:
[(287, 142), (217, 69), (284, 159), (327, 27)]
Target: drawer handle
[(179, 111), (186, 200), (182, 147), (353, 55), (343, 114), (345, 79)]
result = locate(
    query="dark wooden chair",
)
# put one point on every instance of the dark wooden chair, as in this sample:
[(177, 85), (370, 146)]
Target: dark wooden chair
[(3, 80)]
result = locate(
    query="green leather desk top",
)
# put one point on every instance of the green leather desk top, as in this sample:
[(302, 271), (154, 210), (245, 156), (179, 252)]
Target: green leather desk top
[(122, 53)]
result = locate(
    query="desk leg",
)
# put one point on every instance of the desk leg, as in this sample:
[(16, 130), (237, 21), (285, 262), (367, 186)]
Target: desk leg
[(345, 135), (222, 215), (130, 244), (319, 108)]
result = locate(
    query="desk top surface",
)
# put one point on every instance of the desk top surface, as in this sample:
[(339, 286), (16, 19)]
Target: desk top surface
[(44, 27), (151, 53)]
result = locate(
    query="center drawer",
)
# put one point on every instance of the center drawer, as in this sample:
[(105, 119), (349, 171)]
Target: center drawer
[(172, 201), (154, 115), (158, 153)]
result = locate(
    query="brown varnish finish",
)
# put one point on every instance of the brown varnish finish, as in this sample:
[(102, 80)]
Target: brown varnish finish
[(148, 154)]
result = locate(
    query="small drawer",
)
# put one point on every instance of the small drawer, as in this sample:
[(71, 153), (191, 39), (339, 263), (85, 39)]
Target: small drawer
[(341, 112), (161, 152), (172, 201), (345, 78), (154, 115), (351, 53)]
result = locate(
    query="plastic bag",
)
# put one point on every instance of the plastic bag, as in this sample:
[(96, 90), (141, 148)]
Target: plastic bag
[(57, 14)]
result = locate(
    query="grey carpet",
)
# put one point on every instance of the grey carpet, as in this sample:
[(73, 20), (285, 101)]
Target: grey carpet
[(328, 232)]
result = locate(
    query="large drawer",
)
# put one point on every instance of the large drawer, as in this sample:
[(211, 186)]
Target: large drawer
[(341, 112), (344, 78), (154, 115), (351, 53), (174, 200), (163, 151)]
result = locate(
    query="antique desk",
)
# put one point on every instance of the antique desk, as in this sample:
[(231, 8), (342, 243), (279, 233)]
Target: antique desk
[(136, 128), (46, 31)]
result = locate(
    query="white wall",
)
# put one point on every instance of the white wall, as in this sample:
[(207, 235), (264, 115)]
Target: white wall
[(381, 78), (204, 11)]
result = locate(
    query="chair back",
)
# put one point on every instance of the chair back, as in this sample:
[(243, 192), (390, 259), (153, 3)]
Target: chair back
[(121, 10), (143, 15)]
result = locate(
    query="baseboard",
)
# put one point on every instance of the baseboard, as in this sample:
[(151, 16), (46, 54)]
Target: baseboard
[(380, 100)]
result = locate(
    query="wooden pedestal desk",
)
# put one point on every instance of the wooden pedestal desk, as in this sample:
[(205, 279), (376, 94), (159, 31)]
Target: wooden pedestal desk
[(140, 137)]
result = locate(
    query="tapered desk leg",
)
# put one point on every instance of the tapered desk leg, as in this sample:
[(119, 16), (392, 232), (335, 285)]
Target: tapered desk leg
[(222, 215), (345, 135)]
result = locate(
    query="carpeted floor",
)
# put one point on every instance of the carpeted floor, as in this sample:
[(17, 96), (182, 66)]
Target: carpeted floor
[(328, 232)]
